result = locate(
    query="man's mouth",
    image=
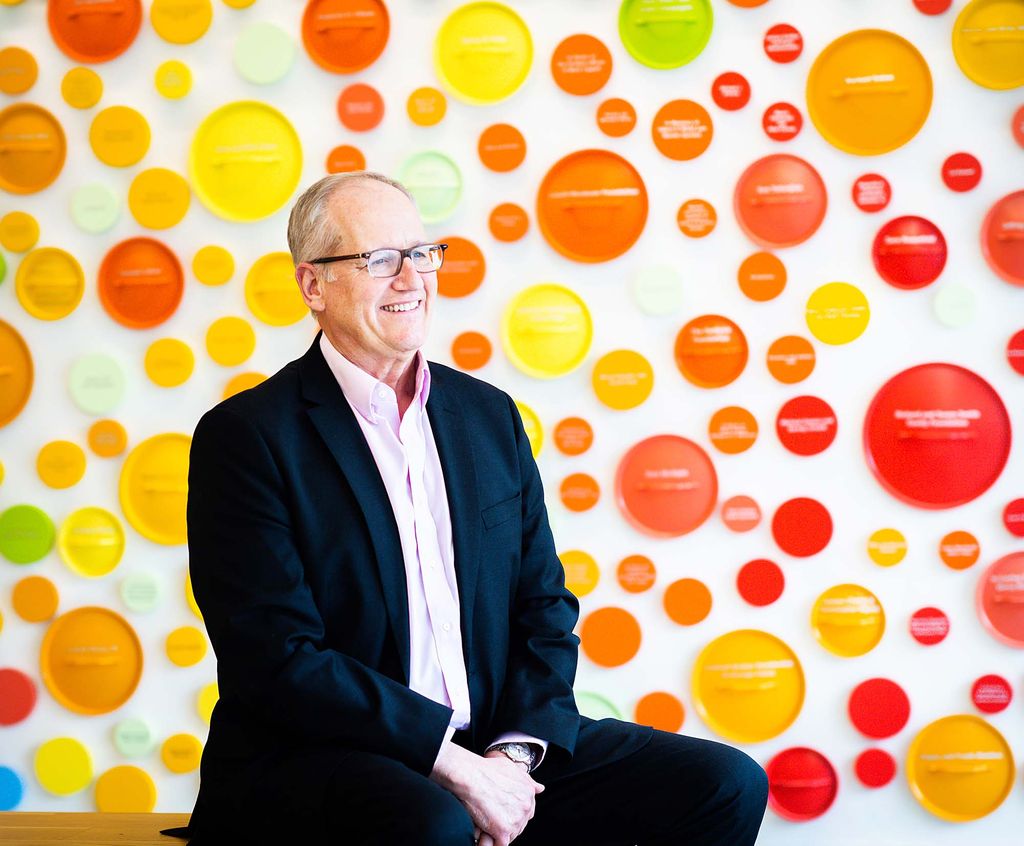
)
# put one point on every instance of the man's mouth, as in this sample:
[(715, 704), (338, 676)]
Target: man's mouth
[(398, 307)]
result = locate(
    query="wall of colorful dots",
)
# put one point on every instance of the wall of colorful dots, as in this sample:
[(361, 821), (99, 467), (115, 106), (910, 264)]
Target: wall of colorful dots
[(754, 271)]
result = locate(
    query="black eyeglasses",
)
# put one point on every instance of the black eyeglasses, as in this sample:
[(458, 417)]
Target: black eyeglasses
[(387, 261)]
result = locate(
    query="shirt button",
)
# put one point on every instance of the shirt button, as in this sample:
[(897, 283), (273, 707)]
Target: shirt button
[(381, 392), (446, 626)]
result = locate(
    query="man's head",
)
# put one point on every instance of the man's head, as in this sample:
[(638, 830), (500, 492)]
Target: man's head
[(353, 213)]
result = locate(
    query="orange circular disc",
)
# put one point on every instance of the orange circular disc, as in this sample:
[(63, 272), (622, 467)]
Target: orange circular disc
[(711, 351), (636, 573), (141, 283), (682, 130), (687, 601), (592, 206), (345, 36), (360, 107), (463, 269), (791, 359), (16, 373), (660, 710), (959, 550), (32, 148), (107, 438), (471, 351), (579, 492), (344, 159), (616, 117), (18, 70), (732, 430), (762, 276), (573, 436), (35, 599), (426, 106), (508, 222), (94, 31), (780, 201), (610, 636), (501, 147), (581, 64), (696, 218)]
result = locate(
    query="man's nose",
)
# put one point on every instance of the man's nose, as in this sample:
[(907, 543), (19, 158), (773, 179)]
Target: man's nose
[(408, 276)]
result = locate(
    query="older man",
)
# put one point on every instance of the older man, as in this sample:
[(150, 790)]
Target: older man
[(370, 550)]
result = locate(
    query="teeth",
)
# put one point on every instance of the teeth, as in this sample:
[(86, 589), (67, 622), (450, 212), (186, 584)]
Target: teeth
[(401, 307)]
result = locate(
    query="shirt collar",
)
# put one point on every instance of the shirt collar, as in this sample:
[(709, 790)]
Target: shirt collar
[(360, 387)]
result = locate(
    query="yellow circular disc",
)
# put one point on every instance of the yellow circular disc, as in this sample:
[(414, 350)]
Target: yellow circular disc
[(869, 92), (987, 43), (19, 231), (181, 21), (190, 597), (848, 620), (207, 698), (185, 646), (213, 265), (546, 331), (91, 541), (531, 423), (426, 106), (230, 341), (158, 198), (960, 768), (173, 80), (623, 379), (245, 161), (169, 362), (271, 291), (154, 488), (35, 599), (18, 70), (125, 790), (242, 382), (887, 547), (119, 136), (581, 571), (181, 753), (49, 283), (81, 88), (748, 686), (61, 464), (238, 4), (63, 766), (837, 313), (483, 52)]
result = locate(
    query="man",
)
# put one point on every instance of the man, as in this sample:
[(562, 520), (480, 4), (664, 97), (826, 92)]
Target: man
[(370, 550)]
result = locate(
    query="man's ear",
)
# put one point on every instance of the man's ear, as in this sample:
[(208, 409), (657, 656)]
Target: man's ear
[(310, 286)]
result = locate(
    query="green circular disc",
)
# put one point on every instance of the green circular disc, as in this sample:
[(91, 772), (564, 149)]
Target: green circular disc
[(435, 182), (658, 290), (96, 383), (954, 305), (596, 707), (665, 34), (264, 53), (133, 738), (140, 592), (3, 267), (95, 208), (26, 534)]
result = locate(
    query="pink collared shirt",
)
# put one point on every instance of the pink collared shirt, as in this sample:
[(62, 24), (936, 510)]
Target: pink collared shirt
[(406, 454)]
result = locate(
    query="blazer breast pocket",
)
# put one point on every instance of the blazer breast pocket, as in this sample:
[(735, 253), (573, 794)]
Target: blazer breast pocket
[(501, 512)]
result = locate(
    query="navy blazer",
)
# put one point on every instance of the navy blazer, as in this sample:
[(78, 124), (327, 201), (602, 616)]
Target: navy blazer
[(297, 567)]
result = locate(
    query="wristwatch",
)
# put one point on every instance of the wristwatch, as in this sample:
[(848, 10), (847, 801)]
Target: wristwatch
[(521, 753)]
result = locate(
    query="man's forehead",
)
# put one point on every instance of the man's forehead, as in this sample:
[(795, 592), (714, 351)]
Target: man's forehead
[(367, 208)]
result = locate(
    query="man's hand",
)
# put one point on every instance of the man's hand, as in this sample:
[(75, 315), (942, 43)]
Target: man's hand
[(498, 793)]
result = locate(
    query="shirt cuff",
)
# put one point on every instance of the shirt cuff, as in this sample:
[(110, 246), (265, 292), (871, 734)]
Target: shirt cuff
[(519, 737), (449, 733)]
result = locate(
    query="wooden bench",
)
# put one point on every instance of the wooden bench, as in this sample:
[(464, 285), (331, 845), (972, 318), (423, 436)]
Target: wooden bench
[(25, 828)]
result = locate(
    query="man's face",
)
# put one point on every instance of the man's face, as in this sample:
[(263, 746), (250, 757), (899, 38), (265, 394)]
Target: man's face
[(359, 308)]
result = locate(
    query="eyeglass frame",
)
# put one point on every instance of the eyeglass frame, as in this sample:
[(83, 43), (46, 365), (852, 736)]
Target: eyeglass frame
[(405, 254)]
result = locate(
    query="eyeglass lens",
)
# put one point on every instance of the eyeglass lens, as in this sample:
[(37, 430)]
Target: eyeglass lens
[(388, 262)]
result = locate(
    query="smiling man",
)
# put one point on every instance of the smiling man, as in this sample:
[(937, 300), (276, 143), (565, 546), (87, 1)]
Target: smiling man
[(370, 550)]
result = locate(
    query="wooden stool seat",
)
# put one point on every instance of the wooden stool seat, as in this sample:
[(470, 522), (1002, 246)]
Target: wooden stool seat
[(25, 828)]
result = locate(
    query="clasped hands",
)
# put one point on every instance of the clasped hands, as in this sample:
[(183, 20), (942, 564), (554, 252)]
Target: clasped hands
[(498, 793)]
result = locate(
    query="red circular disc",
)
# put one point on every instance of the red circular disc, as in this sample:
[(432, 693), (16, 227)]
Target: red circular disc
[(937, 436), (782, 121), (909, 252), (806, 425), (991, 694), (666, 486), (1002, 238), (780, 201), (879, 708), (360, 107), (999, 599), (96, 34), (141, 283), (961, 172), (17, 696), (760, 582), (711, 351), (741, 513), (875, 767), (929, 626), (871, 192), (1013, 517), (345, 36), (932, 7), (802, 784), (802, 527), (1017, 126), (730, 91), (783, 43), (1015, 352)]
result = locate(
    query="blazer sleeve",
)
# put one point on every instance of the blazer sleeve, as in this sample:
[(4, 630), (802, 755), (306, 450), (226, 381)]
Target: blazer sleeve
[(537, 697), (265, 627)]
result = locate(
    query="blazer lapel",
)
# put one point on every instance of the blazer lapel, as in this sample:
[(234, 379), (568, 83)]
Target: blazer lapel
[(335, 421)]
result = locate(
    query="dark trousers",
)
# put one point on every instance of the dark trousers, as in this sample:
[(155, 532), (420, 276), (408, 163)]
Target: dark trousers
[(674, 790)]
